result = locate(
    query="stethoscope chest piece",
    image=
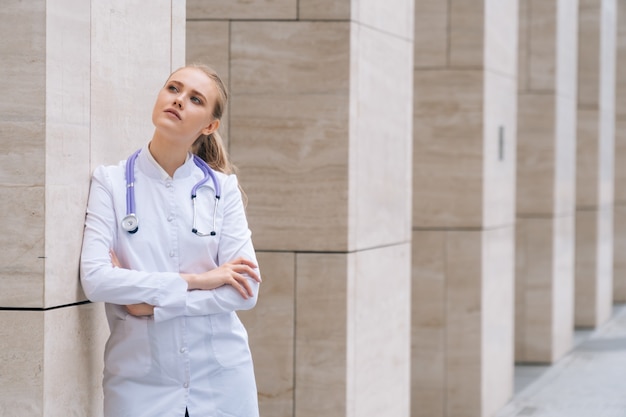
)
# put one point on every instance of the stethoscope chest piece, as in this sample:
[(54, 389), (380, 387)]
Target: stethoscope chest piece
[(130, 223)]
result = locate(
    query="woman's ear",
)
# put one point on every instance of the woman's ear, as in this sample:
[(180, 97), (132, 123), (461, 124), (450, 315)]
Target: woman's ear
[(211, 127)]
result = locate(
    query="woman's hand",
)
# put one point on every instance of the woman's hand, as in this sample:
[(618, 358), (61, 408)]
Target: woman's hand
[(141, 309), (231, 273)]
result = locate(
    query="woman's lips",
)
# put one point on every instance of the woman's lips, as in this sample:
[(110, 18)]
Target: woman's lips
[(174, 112)]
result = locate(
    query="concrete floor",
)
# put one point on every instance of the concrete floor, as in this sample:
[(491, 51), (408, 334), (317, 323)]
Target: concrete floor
[(590, 381)]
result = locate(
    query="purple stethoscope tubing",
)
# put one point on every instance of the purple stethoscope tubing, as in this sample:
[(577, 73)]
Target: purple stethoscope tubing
[(130, 223)]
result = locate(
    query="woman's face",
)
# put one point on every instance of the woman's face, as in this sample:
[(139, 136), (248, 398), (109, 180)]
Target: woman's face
[(184, 106)]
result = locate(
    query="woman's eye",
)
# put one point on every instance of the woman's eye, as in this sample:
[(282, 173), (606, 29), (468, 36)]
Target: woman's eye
[(196, 100), (172, 88)]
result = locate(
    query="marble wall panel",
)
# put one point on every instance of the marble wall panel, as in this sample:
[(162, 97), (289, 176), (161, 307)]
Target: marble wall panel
[(381, 119), (290, 131), (464, 360), (607, 102), (22, 240), (178, 33), (350, 358), (242, 9), (523, 46), (463, 318), (67, 148), (619, 265), (563, 296), (619, 261), (24, 24), (497, 318), (589, 53), (208, 43), (566, 149), (587, 157), (567, 48), (543, 44), (536, 154), (290, 58), (594, 266), (23, 154), (21, 363), (448, 148), (324, 9), (499, 149), (605, 263), (293, 153), (431, 34), (428, 355), (321, 358), (467, 33), (22, 132), (586, 274), (500, 36), (379, 349), (544, 288), (65, 219), (392, 16), (120, 125), (73, 356), (620, 107), (534, 289), (271, 330)]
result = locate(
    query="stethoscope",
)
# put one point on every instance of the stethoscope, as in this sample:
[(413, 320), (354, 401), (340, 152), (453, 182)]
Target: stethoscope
[(130, 223)]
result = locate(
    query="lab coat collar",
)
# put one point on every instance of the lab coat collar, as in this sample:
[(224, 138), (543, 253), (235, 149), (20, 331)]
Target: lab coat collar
[(150, 167)]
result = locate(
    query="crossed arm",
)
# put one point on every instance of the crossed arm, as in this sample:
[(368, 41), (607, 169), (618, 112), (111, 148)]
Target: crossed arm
[(231, 273)]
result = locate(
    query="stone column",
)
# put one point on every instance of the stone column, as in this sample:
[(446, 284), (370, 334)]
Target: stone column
[(546, 158), (320, 127), (80, 80), (465, 96), (594, 169), (619, 230)]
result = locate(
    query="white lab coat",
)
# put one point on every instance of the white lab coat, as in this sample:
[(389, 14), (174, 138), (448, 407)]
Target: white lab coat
[(193, 353)]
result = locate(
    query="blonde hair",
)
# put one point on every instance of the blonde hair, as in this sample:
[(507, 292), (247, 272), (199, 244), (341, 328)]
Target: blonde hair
[(211, 147)]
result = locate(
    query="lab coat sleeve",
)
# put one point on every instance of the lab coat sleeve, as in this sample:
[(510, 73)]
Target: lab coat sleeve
[(103, 282), (235, 241)]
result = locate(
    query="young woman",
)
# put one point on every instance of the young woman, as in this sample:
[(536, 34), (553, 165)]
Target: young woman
[(168, 249)]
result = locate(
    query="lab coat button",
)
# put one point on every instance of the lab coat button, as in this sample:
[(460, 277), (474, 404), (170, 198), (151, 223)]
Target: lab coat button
[(172, 254), (170, 218), (183, 350), (168, 184), (186, 385)]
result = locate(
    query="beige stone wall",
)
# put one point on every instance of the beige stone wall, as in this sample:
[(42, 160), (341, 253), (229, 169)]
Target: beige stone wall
[(619, 261), (319, 123), (378, 144), (545, 179), (595, 162), (79, 75), (465, 77)]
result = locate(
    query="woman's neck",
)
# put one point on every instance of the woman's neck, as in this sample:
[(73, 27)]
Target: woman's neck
[(169, 157)]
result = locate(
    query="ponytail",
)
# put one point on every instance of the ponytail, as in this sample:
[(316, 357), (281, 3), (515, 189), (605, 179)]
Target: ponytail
[(211, 149)]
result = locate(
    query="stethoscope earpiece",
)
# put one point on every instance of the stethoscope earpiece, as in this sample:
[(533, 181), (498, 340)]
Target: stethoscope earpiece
[(130, 223)]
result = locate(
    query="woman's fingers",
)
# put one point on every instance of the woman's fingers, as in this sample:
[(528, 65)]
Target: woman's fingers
[(242, 265), (243, 282)]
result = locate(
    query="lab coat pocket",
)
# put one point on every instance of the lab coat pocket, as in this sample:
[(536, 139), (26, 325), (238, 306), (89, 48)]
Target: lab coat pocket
[(128, 351), (229, 340)]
